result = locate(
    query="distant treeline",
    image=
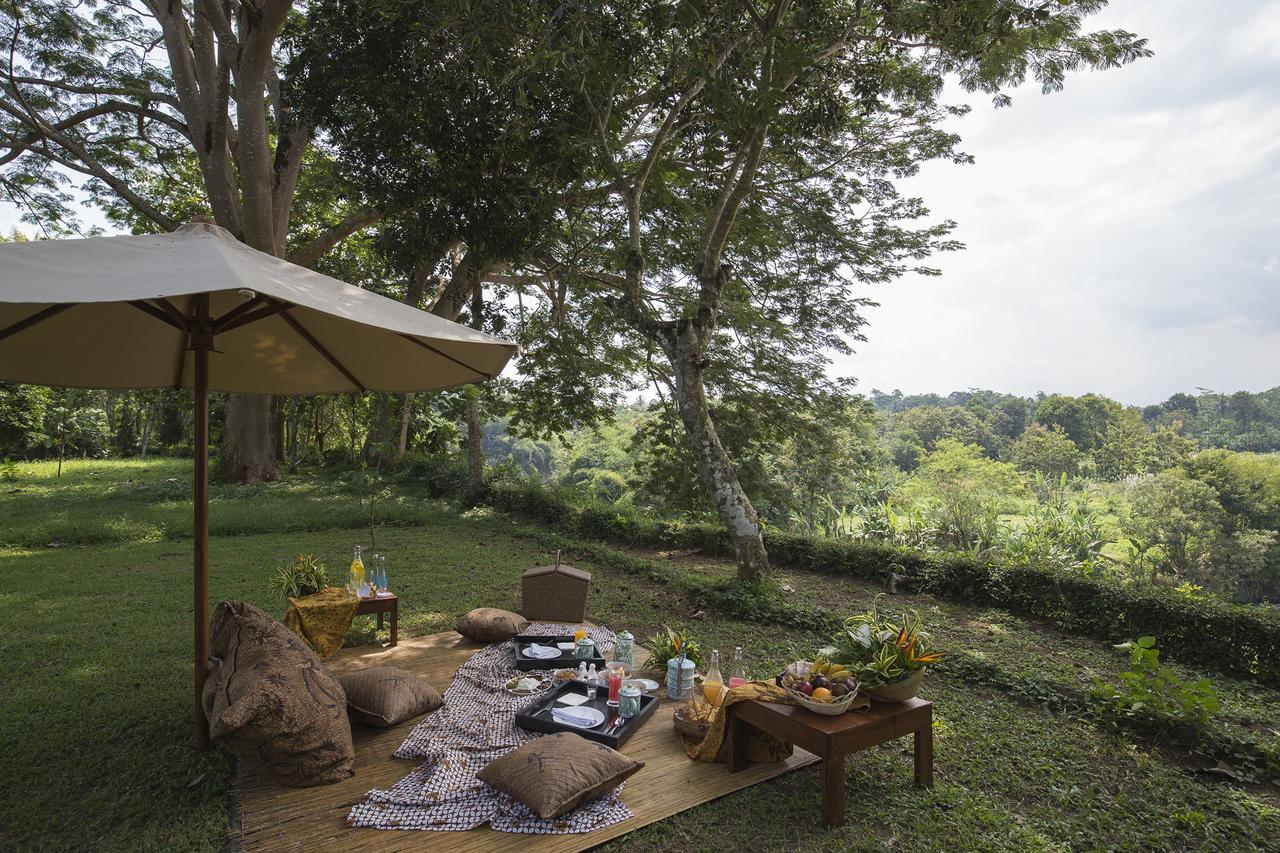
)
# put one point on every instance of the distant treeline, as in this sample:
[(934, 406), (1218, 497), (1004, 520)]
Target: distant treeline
[(1240, 421)]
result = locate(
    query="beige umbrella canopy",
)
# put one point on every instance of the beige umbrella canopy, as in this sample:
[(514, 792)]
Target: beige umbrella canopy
[(198, 309)]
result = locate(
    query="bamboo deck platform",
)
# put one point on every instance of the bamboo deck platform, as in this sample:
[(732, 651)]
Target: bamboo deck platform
[(268, 817)]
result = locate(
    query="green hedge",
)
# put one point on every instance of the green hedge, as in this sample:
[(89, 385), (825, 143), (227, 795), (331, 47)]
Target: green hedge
[(1240, 640)]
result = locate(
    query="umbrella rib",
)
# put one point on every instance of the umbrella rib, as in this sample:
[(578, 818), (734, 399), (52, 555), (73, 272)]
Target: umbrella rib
[(411, 339), (160, 314), (237, 311), (319, 347), (38, 317), (230, 320)]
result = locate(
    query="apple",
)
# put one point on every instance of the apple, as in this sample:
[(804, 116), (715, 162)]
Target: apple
[(805, 687)]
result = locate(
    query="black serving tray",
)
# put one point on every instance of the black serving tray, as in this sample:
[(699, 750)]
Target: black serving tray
[(531, 718), (566, 659)]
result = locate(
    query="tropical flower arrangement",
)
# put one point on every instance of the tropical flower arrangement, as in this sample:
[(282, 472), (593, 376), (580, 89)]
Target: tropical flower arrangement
[(881, 650), (670, 643)]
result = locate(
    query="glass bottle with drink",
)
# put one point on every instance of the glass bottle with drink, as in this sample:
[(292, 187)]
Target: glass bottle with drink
[(356, 578), (713, 682), (737, 675)]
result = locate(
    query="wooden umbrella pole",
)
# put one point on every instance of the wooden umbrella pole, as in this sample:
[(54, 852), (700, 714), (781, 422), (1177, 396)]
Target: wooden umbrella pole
[(201, 343)]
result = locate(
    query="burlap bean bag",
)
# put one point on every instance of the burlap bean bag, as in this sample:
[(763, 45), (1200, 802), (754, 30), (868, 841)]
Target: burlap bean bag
[(555, 773), (270, 701), (491, 625), (384, 695)]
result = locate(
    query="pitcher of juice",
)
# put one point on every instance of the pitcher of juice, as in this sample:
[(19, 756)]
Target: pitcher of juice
[(713, 682), (356, 579)]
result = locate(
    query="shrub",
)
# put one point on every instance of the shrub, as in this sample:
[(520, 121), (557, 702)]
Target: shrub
[(1237, 639), (1151, 691)]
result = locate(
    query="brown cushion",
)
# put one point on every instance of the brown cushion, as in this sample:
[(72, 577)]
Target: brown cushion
[(491, 625), (384, 695), (270, 701), (555, 773)]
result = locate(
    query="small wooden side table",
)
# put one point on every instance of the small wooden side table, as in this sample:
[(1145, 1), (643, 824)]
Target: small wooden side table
[(386, 605), (833, 738)]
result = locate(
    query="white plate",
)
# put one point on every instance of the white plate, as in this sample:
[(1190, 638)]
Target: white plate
[(525, 651), (595, 715), (510, 686), (648, 685)]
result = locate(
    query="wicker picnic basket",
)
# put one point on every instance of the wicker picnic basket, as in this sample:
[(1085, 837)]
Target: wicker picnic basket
[(555, 593)]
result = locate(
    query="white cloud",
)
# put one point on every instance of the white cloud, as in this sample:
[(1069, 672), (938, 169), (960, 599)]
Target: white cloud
[(1120, 233)]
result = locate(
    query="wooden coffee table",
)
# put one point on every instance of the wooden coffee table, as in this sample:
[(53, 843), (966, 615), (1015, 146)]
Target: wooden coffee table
[(386, 605), (832, 738)]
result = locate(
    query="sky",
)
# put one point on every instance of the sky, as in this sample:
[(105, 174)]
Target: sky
[(1123, 235)]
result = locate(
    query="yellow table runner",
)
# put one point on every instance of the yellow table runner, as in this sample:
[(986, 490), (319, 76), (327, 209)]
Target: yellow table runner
[(322, 619)]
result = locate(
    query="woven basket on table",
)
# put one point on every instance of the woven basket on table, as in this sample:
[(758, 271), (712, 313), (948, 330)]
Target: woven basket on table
[(831, 709)]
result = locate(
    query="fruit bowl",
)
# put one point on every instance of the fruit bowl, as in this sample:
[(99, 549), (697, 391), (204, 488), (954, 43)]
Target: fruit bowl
[(831, 707)]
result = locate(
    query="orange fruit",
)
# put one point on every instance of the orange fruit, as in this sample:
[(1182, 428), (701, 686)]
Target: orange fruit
[(821, 693)]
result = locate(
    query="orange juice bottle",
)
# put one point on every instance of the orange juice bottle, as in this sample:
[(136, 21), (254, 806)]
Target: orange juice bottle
[(713, 682)]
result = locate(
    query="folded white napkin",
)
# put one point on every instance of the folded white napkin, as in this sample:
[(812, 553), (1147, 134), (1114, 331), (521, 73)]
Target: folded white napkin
[(536, 651), (574, 716)]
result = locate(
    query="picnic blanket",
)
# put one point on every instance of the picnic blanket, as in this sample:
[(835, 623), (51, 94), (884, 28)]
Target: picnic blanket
[(475, 726), (322, 619)]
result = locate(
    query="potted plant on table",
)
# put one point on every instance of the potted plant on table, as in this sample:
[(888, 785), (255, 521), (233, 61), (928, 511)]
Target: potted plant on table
[(888, 656), (304, 576)]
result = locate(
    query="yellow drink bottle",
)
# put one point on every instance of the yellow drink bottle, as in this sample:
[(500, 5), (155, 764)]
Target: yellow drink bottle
[(357, 573), (713, 682)]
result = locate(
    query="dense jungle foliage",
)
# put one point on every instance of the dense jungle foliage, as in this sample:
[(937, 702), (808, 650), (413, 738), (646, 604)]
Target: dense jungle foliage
[(1184, 494)]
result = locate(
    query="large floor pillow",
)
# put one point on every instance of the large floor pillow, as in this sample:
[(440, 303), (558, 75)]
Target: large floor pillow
[(491, 625), (269, 700)]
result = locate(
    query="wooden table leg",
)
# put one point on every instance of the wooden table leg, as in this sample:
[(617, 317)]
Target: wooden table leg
[(833, 791), (379, 620), (395, 622), (924, 754), (738, 732)]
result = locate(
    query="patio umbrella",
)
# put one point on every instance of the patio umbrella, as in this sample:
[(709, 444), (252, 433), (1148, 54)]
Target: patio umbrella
[(198, 309)]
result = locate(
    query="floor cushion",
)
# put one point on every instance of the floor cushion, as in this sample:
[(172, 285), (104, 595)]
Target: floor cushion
[(383, 695), (491, 625), (270, 701), (553, 774)]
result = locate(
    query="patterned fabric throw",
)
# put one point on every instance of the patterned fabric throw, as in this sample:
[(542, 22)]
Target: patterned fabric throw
[(761, 747), (475, 726), (322, 619)]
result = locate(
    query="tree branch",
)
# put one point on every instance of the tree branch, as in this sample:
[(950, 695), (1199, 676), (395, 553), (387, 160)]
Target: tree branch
[(335, 234), (88, 164)]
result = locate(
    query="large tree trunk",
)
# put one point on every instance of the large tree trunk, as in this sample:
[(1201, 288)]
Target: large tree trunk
[(248, 455), (714, 466), (292, 420), (379, 444), (147, 427), (406, 414), (475, 450)]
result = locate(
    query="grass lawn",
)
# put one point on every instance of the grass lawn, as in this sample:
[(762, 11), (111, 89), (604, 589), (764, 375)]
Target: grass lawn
[(95, 656)]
